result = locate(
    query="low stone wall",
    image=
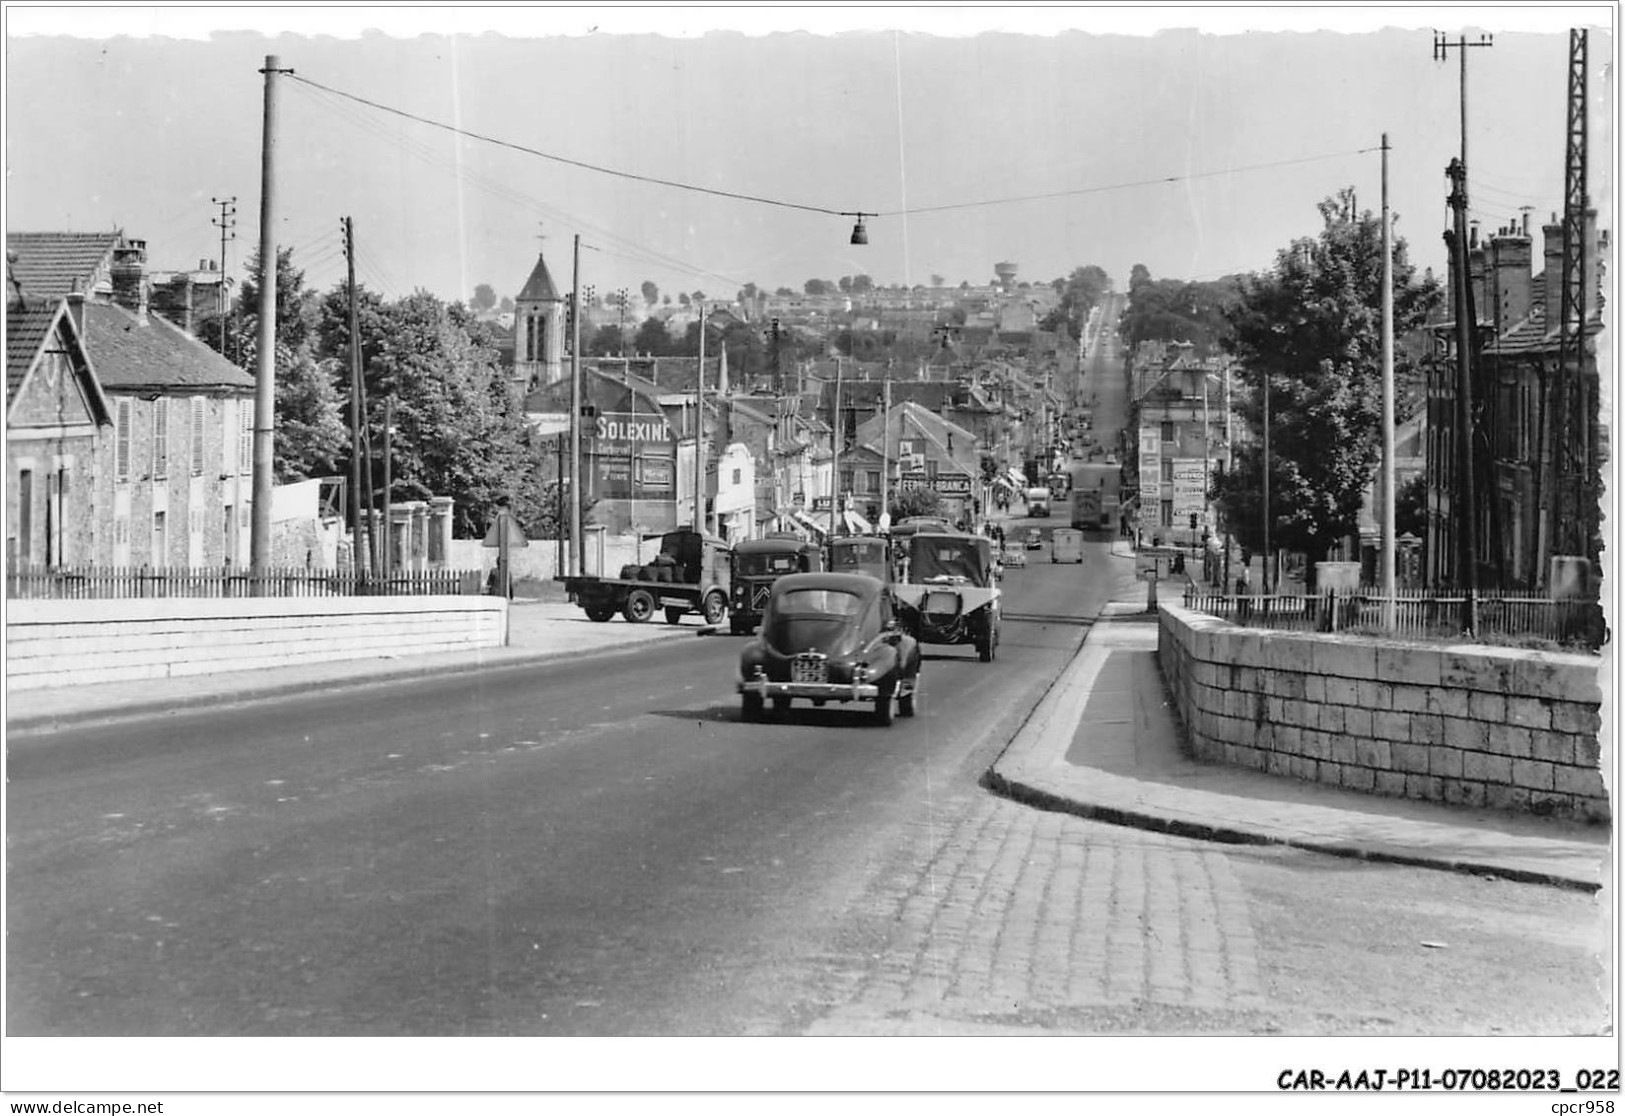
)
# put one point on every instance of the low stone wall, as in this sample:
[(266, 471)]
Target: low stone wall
[(61, 643), (1471, 725)]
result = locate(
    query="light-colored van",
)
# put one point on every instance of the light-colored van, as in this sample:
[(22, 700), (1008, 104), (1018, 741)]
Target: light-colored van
[(1065, 545)]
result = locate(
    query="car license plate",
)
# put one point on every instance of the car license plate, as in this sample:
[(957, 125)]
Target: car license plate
[(809, 670)]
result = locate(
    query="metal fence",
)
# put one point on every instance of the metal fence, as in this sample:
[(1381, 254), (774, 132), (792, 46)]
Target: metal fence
[(1418, 614), (114, 583)]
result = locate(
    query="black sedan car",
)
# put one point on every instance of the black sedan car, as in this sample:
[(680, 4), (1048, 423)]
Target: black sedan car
[(830, 637)]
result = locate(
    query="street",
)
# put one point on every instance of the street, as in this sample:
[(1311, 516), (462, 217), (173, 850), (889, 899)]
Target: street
[(605, 849)]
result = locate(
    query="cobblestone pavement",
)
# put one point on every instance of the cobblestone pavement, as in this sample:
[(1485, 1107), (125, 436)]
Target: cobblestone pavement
[(1028, 920)]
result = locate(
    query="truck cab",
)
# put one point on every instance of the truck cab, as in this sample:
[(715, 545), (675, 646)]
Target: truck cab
[(757, 564)]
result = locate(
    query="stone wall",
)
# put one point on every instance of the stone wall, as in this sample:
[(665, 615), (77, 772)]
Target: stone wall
[(1469, 725), (63, 643)]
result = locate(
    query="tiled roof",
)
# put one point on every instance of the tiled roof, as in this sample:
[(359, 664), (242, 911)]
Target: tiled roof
[(154, 354), (27, 326), (539, 287), (49, 264)]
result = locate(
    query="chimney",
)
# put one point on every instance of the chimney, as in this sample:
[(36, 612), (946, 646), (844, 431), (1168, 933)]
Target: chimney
[(1551, 282), (76, 308), (1478, 277), (1511, 278), (129, 275)]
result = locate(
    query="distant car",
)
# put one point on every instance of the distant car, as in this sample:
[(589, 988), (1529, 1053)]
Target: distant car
[(1035, 539), (1013, 558), (830, 637), (1111, 459), (948, 596)]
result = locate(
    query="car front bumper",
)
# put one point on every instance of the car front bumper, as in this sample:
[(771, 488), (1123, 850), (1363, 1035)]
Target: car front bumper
[(820, 691)]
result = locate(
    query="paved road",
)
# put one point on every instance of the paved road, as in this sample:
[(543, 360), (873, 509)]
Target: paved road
[(578, 848)]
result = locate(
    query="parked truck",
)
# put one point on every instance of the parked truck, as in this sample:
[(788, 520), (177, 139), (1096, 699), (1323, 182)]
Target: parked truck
[(692, 573), (1038, 501)]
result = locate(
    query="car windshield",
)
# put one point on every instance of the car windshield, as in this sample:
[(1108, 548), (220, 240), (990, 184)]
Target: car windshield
[(813, 620), (963, 556), (757, 564), (857, 555)]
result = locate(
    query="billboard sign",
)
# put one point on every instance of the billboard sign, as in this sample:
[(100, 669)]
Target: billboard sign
[(1190, 488)]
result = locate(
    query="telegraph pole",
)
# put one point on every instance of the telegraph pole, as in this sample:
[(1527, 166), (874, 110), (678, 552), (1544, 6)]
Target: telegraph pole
[(259, 547), (358, 528), (227, 224), (575, 418), (1389, 586), (699, 424), (1464, 494)]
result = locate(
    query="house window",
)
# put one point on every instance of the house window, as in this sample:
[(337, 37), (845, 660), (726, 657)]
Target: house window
[(874, 481), (197, 435), (1167, 517), (160, 439), (225, 535), (160, 539), (25, 515), (1167, 470), (1167, 430), (228, 435), (121, 443), (738, 478)]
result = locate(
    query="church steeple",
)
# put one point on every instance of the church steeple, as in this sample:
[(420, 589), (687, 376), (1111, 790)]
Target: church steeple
[(538, 338)]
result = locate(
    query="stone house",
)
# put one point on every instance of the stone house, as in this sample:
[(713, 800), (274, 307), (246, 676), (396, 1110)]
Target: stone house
[(170, 482), (55, 413)]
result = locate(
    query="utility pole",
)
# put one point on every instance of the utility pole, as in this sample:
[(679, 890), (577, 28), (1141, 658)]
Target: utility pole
[(227, 224), (360, 527), (1389, 586), (1571, 438), (699, 428), (1266, 573), (388, 556), (1464, 497), (836, 518), (575, 419), (259, 546), (885, 448)]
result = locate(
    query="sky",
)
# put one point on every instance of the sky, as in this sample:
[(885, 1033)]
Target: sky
[(1197, 142)]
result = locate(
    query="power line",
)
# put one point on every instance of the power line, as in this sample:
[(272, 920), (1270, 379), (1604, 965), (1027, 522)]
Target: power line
[(653, 180), (630, 175)]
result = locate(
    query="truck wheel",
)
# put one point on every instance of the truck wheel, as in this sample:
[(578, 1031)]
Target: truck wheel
[(599, 613), (639, 606), (714, 607), (675, 615), (987, 643), (909, 702)]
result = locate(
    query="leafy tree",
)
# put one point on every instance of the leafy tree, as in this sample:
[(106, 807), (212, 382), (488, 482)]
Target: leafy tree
[(651, 293), (818, 287), (915, 501), (505, 306), (937, 280), (310, 427), (862, 284), (607, 341), (652, 337), (1175, 310), (784, 292), (683, 299), (845, 283), (1312, 327), (484, 297)]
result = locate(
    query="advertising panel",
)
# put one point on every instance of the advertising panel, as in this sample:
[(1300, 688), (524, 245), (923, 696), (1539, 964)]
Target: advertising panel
[(1190, 489), (633, 456), (1150, 465)]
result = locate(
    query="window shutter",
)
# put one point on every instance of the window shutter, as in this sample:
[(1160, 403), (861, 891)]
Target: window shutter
[(121, 451), (245, 436), (197, 435), (160, 439)]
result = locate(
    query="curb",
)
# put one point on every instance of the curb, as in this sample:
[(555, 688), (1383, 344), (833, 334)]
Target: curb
[(1231, 835), (396, 671)]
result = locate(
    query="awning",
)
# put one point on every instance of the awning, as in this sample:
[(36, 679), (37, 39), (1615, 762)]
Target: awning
[(818, 530)]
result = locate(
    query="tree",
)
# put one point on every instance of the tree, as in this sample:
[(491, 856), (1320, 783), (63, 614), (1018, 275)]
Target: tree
[(652, 337), (845, 283), (310, 429), (1411, 507), (818, 287), (1175, 310), (937, 280), (914, 502), (484, 298), (607, 341), (1312, 327), (683, 299), (505, 306), (785, 292), (651, 293), (862, 284)]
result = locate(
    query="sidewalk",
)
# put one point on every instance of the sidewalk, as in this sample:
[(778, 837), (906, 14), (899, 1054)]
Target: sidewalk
[(1106, 743), (537, 630)]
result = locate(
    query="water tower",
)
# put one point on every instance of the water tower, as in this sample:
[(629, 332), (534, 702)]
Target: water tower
[(1006, 273)]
